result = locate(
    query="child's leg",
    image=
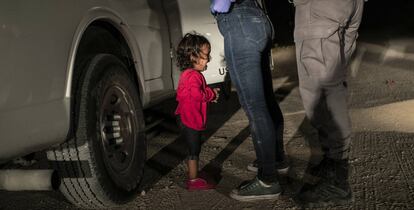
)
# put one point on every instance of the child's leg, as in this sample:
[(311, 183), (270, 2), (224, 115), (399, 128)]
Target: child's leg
[(192, 169), (193, 138)]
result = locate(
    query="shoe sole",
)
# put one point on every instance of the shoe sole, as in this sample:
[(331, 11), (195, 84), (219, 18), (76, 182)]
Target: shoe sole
[(201, 189), (254, 197), (281, 171)]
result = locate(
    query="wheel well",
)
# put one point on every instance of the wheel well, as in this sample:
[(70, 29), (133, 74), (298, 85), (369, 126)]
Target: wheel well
[(101, 37)]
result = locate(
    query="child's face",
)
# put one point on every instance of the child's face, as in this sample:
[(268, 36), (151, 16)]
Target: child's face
[(201, 62)]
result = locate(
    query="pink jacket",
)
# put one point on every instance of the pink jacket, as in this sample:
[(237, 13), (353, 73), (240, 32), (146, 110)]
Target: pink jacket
[(193, 94)]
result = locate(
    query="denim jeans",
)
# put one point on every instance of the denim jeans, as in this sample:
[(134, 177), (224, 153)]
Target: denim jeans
[(247, 36)]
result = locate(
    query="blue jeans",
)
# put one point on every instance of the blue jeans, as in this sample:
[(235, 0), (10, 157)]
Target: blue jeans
[(247, 36)]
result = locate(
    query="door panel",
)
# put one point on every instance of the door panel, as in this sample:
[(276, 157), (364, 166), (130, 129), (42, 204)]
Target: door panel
[(188, 15)]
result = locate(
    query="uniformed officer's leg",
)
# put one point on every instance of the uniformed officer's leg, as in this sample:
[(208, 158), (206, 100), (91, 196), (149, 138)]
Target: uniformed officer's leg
[(327, 110), (335, 130), (340, 47), (310, 64), (337, 141), (324, 101), (325, 33)]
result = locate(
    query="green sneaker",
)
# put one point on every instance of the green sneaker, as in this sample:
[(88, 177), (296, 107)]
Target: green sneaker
[(282, 167), (256, 190)]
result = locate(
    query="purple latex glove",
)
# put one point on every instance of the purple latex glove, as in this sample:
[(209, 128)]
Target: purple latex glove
[(220, 6)]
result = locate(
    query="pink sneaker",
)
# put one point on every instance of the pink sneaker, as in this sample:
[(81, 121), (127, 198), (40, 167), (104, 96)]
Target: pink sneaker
[(199, 184)]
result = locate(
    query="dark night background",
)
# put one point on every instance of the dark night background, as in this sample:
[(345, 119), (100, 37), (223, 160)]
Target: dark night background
[(386, 18)]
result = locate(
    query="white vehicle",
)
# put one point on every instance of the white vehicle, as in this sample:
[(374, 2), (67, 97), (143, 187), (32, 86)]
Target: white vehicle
[(76, 77)]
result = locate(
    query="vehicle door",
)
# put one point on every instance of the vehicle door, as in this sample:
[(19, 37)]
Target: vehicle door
[(193, 15)]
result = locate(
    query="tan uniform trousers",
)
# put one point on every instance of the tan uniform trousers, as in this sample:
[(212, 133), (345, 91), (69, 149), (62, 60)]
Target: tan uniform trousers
[(325, 37)]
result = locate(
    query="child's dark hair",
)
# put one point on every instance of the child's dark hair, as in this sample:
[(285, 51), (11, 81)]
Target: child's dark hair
[(189, 49)]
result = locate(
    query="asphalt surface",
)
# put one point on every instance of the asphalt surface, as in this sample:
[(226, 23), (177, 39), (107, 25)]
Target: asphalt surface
[(381, 99)]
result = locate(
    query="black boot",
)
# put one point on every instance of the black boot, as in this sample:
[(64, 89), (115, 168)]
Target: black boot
[(320, 170), (332, 189)]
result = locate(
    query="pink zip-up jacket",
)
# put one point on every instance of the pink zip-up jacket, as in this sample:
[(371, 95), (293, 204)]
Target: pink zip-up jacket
[(193, 95)]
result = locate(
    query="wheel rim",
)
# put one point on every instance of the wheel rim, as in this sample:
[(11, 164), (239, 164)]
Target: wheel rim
[(117, 126)]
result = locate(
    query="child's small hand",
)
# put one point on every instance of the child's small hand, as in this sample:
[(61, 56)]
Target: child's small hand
[(216, 91)]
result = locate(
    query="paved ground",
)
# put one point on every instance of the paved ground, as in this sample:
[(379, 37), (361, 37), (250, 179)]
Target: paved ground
[(382, 110)]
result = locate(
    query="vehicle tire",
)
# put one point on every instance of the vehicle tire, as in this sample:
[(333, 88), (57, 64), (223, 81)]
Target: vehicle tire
[(101, 166)]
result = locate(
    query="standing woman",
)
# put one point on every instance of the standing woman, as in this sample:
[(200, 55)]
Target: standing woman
[(247, 36)]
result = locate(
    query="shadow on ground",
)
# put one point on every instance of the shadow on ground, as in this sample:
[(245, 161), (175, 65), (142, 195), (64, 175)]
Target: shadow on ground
[(174, 153)]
